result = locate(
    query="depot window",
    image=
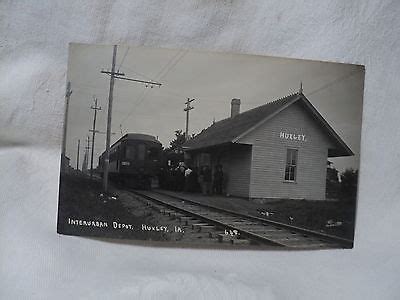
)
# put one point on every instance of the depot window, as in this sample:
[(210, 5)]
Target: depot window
[(291, 165)]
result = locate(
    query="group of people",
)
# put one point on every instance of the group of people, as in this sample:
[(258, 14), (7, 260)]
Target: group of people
[(192, 179)]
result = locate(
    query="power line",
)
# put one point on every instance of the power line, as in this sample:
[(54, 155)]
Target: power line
[(162, 69), (169, 62), (332, 82), (173, 65), (138, 73), (114, 75), (166, 69), (141, 81), (122, 61)]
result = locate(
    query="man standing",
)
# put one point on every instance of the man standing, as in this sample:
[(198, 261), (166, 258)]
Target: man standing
[(188, 184), (218, 179), (207, 180)]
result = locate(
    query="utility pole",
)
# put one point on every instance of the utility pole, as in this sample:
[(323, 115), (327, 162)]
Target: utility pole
[(87, 143), (120, 128), (86, 156), (64, 144), (109, 112), (115, 75), (95, 108), (96, 132), (77, 155), (187, 109)]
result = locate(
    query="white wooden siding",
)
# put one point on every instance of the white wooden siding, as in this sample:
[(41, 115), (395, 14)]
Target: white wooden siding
[(269, 157), (237, 168)]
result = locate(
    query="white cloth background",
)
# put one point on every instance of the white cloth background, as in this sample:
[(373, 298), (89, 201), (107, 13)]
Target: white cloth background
[(36, 263)]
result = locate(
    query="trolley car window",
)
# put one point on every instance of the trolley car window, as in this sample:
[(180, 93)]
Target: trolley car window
[(141, 151), (130, 152), (153, 154)]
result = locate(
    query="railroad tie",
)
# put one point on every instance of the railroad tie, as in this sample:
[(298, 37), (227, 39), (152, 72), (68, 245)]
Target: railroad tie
[(191, 221), (207, 228), (197, 226), (176, 215), (185, 219), (224, 238), (215, 234), (240, 241)]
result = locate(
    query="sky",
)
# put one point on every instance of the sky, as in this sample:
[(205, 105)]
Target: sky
[(212, 79)]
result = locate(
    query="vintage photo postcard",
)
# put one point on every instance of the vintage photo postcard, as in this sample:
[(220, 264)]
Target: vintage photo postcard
[(221, 150)]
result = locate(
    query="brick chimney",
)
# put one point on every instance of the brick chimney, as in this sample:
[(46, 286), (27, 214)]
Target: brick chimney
[(235, 107)]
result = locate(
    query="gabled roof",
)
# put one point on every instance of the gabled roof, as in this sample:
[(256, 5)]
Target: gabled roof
[(230, 130)]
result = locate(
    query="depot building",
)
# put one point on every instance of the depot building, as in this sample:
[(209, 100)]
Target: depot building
[(277, 150)]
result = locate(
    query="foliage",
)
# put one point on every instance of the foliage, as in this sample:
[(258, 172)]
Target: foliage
[(176, 144), (331, 173), (349, 180), (174, 153), (332, 182)]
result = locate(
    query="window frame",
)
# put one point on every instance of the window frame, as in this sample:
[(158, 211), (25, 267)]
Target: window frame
[(289, 164), (131, 150), (141, 150)]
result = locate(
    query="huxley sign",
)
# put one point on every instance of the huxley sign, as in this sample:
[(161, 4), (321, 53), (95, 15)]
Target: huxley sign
[(292, 136)]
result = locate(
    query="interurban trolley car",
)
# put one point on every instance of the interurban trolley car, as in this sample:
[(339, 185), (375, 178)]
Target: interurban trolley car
[(135, 160)]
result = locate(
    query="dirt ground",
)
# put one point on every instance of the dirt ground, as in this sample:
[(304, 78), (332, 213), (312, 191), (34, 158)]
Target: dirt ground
[(313, 215), (82, 199)]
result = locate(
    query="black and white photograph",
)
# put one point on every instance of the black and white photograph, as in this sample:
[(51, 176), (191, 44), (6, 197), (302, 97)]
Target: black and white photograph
[(200, 149), (212, 149)]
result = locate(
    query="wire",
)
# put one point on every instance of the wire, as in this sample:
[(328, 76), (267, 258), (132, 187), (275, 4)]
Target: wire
[(169, 62), (123, 58), (166, 69), (333, 82), (140, 74), (165, 74), (179, 56)]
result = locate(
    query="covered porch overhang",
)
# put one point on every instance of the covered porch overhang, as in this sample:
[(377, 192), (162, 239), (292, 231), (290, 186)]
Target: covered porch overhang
[(211, 155)]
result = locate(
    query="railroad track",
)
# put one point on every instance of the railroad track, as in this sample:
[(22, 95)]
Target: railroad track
[(237, 228)]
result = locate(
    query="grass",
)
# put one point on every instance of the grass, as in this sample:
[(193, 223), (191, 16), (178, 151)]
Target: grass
[(308, 214), (80, 198), (314, 215)]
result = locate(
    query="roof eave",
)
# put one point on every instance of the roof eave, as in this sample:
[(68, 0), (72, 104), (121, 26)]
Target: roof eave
[(206, 147), (344, 150), (236, 139), (336, 153)]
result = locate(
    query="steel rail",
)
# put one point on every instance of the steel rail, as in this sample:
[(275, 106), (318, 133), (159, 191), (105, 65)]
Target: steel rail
[(210, 220), (346, 243), (243, 232)]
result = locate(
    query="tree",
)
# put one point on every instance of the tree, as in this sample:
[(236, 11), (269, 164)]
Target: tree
[(174, 153), (176, 144), (332, 182), (349, 180)]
